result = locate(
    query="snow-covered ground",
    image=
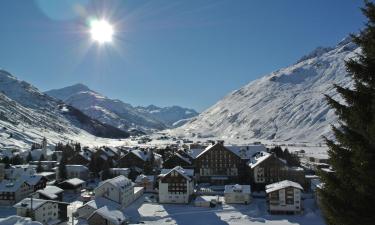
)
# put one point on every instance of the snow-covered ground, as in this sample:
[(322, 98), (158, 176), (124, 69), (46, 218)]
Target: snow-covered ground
[(148, 212), (254, 213)]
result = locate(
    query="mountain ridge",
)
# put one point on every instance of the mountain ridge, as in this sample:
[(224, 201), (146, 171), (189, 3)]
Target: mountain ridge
[(285, 105)]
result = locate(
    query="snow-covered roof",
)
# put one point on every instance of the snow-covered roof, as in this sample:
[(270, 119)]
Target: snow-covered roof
[(258, 158), (116, 217), (32, 180), (206, 149), (187, 173), (281, 185), (10, 186), (206, 198), (27, 203), (183, 158), (246, 151), (18, 220), (140, 154), (76, 168), (74, 181), (193, 153), (51, 190), (236, 188), (119, 181), (99, 202), (142, 177)]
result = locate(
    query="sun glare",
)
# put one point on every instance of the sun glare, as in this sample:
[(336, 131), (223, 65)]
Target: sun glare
[(101, 31)]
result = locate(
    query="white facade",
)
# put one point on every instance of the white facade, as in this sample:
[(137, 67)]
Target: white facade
[(43, 211), (76, 171), (284, 197), (176, 186), (237, 194), (119, 189), (12, 192)]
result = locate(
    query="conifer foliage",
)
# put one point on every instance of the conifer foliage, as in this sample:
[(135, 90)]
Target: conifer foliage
[(348, 193)]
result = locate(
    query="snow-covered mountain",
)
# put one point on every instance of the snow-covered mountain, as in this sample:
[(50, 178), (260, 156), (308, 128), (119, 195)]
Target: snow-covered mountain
[(117, 113), (172, 116), (286, 105), (27, 115)]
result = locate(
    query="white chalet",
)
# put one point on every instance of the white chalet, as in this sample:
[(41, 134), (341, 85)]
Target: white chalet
[(237, 194), (44, 211), (119, 189), (176, 185), (90, 207), (284, 197)]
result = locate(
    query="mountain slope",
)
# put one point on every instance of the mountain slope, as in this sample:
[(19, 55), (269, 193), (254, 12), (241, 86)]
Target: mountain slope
[(117, 113), (29, 114), (286, 105)]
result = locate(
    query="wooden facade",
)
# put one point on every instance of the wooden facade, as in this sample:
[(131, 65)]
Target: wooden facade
[(218, 165), (130, 160), (176, 160)]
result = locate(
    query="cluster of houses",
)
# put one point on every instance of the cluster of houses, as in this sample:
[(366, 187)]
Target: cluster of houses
[(197, 174)]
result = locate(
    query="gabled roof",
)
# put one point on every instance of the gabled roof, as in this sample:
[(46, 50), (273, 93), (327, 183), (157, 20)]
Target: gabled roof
[(237, 188), (36, 203), (118, 182), (99, 202), (247, 151), (74, 181), (114, 216), (213, 146), (32, 180), (281, 185), (11, 186), (76, 168), (51, 190), (258, 158), (187, 173), (142, 177), (183, 158)]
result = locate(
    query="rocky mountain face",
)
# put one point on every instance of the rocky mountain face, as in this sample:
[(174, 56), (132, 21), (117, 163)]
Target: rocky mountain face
[(119, 114), (285, 105)]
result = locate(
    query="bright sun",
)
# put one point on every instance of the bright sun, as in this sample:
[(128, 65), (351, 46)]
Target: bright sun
[(101, 31)]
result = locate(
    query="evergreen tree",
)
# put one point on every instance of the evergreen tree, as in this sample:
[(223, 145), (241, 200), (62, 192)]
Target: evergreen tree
[(106, 174), (42, 158), (29, 157), (348, 194), (39, 167), (62, 168), (54, 156)]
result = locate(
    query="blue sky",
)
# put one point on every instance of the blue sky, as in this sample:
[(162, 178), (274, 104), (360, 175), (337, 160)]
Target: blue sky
[(166, 52)]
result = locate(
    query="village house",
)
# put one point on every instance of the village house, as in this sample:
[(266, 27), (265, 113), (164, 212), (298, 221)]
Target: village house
[(16, 171), (44, 211), (90, 207), (72, 185), (266, 168), (12, 192), (147, 182), (46, 165), (177, 159), (107, 216), (284, 197), (176, 185), (138, 158), (35, 182), (49, 193), (237, 194), (119, 189), (77, 171), (81, 158), (119, 171)]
